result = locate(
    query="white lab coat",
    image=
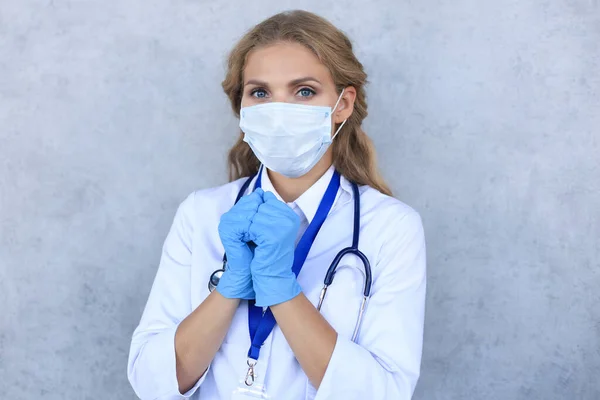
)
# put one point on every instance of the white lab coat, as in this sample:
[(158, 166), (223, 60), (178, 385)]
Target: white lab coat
[(384, 364)]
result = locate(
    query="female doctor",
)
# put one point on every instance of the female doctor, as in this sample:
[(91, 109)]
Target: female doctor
[(308, 184)]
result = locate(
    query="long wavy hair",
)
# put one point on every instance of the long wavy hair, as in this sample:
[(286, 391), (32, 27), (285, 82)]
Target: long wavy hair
[(353, 152)]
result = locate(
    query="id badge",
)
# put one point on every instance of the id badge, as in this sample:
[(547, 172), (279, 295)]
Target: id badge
[(254, 392), (248, 388)]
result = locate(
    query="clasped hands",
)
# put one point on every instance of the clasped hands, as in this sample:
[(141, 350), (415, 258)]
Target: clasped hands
[(259, 236)]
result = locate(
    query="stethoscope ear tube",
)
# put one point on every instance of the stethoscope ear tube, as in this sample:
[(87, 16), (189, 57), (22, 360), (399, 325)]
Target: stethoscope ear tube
[(365, 261), (334, 264), (363, 306), (367, 265)]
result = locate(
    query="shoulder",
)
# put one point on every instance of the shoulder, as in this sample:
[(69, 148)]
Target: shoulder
[(397, 228), (387, 211)]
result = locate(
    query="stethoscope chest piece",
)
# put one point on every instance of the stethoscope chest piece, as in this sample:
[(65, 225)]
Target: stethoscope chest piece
[(215, 277)]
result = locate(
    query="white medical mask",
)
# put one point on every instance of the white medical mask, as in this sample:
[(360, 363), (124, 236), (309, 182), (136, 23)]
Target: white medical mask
[(288, 138)]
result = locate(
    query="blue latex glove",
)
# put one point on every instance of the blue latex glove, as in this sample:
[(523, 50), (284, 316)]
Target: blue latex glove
[(236, 282), (274, 230)]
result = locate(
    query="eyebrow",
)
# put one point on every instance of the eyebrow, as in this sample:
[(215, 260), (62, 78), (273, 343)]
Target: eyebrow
[(295, 82)]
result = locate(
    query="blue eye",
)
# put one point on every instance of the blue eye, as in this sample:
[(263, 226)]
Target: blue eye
[(259, 93), (306, 92)]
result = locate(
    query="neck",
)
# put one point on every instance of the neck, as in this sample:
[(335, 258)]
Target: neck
[(291, 188)]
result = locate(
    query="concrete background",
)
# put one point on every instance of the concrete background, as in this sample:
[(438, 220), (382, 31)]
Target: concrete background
[(486, 116)]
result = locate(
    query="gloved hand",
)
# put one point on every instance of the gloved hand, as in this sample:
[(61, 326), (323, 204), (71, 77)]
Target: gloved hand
[(274, 230), (236, 282)]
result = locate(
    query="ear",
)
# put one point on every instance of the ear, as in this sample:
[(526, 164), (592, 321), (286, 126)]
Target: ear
[(345, 106)]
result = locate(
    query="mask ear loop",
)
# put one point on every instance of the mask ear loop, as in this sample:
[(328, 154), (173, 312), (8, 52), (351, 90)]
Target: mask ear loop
[(334, 107)]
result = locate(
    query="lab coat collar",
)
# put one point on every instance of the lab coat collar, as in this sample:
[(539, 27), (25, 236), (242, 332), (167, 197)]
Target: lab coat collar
[(309, 201)]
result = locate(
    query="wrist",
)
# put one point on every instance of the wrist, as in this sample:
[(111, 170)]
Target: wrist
[(236, 285), (273, 290), (233, 302)]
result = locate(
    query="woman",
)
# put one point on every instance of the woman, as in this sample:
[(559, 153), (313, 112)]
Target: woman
[(297, 87)]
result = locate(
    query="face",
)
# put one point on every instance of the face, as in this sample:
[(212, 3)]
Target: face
[(291, 73)]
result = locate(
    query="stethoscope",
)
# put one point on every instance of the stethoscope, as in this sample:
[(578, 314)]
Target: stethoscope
[(213, 281)]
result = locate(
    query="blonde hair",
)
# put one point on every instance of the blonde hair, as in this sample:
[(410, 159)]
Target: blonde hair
[(353, 151)]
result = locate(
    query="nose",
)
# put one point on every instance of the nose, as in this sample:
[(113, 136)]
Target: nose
[(282, 95)]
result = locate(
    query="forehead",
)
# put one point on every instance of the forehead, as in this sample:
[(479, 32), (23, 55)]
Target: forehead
[(284, 62)]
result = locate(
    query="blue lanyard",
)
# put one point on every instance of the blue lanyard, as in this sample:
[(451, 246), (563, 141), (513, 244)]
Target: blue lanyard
[(260, 325)]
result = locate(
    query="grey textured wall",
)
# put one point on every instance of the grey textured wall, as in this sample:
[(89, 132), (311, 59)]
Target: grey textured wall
[(486, 116)]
